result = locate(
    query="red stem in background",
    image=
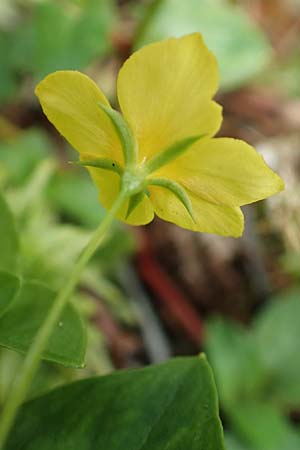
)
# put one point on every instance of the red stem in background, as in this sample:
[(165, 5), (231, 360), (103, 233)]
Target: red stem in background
[(161, 284)]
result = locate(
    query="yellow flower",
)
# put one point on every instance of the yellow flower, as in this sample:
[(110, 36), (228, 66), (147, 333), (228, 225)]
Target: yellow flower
[(162, 149)]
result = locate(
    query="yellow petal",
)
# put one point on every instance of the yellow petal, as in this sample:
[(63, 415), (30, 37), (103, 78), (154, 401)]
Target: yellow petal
[(224, 171), (69, 100), (165, 91), (209, 218), (108, 184)]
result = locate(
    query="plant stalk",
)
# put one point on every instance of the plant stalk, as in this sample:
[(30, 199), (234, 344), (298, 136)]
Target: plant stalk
[(34, 355)]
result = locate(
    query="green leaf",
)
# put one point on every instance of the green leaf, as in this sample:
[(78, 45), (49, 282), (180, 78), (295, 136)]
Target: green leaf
[(261, 427), (241, 48), (170, 153), (9, 286), (238, 369), (9, 242), (177, 190), (22, 319), (277, 337), (126, 137), (171, 406), (102, 163), (70, 38), (134, 201)]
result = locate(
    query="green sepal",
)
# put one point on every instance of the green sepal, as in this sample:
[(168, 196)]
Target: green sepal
[(101, 163), (170, 153), (125, 135), (177, 190), (134, 201)]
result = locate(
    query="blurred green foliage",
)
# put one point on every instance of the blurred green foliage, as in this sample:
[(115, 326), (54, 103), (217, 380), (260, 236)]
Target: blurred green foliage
[(257, 373), (52, 35), (50, 224), (10, 246), (52, 208), (241, 48)]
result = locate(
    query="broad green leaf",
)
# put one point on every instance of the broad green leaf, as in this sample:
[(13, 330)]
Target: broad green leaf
[(277, 337), (9, 243), (171, 406), (241, 48), (22, 319), (9, 286)]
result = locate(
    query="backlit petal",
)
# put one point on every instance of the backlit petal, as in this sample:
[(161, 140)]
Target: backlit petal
[(69, 100), (209, 218), (165, 91), (224, 171)]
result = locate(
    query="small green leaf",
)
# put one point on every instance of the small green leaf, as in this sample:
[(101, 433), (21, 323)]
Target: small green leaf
[(125, 135), (134, 201), (24, 316), (102, 163), (164, 157), (177, 190), (9, 286), (9, 242), (170, 406)]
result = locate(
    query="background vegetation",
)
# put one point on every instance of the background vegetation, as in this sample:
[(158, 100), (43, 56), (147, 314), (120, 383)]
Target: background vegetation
[(161, 291)]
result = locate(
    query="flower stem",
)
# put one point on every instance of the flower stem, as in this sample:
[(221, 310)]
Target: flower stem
[(34, 355)]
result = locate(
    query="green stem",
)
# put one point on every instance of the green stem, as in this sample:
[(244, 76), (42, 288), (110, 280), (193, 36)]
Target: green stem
[(34, 355)]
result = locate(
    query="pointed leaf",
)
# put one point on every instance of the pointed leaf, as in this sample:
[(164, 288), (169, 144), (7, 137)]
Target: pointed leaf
[(22, 319), (102, 163), (171, 153), (134, 201), (126, 137), (170, 406), (177, 190)]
